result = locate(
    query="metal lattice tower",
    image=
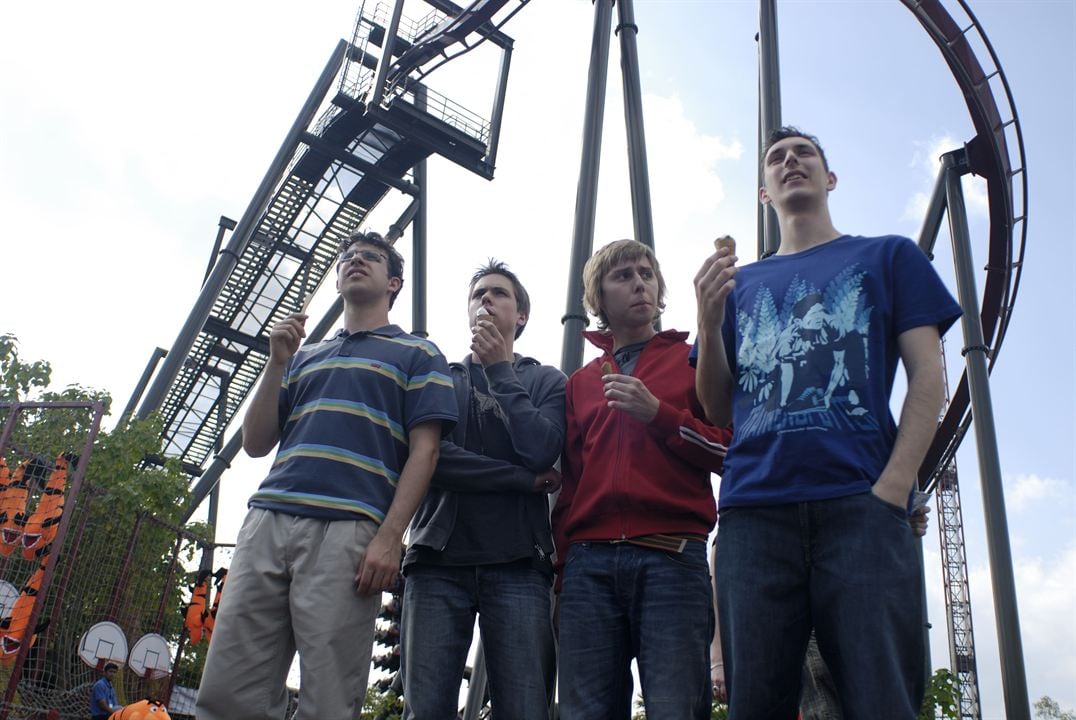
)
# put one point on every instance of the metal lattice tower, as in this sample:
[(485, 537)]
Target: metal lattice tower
[(954, 562)]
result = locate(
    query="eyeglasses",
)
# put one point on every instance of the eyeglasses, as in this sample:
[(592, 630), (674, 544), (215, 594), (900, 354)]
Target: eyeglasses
[(367, 255)]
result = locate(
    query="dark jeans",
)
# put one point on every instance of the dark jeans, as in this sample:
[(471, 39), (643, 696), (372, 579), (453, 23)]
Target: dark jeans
[(851, 569), (514, 619), (621, 601)]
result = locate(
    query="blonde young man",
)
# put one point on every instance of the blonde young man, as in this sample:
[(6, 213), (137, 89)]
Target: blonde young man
[(635, 508)]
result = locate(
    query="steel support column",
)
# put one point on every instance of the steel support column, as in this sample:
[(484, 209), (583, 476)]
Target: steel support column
[(769, 94), (173, 362), (586, 196), (476, 686), (1007, 619), (419, 238), (638, 172)]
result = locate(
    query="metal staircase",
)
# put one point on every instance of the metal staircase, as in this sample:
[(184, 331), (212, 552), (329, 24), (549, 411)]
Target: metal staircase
[(328, 176)]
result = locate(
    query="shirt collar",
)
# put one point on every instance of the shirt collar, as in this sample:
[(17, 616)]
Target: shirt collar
[(383, 331)]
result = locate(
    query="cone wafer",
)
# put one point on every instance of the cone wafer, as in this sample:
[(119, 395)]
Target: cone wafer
[(726, 241)]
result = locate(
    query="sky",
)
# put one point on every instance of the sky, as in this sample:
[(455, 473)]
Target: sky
[(128, 128)]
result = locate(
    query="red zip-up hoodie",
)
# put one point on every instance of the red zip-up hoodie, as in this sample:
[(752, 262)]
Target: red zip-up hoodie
[(623, 478)]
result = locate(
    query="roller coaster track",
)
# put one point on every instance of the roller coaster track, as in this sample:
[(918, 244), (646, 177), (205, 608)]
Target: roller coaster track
[(996, 153)]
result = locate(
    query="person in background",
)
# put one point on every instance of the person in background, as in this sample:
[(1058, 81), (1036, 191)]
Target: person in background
[(103, 695)]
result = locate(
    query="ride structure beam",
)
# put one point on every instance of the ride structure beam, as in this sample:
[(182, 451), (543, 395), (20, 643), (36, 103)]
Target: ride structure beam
[(229, 257), (638, 170), (769, 114), (1013, 677), (586, 194)]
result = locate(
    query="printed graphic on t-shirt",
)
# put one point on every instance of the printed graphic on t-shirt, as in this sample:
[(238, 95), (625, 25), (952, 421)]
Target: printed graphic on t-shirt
[(804, 365)]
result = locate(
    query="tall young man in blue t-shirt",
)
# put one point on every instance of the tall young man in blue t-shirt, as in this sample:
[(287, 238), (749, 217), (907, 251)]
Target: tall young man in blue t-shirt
[(359, 420), (799, 351)]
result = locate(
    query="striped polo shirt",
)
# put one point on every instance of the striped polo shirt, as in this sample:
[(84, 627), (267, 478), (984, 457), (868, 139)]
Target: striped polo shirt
[(346, 407)]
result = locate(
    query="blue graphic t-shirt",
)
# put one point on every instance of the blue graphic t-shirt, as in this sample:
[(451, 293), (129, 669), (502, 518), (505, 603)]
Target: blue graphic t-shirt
[(812, 342)]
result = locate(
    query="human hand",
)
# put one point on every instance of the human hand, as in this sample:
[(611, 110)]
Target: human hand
[(627, 393), (286, 336), (547, 481), (488, 343), (714, 281), (892, 491), (717, 680), (919, 520), (379, 565)]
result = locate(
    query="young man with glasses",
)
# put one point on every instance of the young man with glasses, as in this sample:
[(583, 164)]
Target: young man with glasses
[(800, 351), (359, 419), (480, 542), (635, 508)]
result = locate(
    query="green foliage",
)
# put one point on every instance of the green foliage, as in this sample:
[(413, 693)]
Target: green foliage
[(1048, 709), (120, 492), (17, 378), (378, 705), (942, 698), (718, 711)]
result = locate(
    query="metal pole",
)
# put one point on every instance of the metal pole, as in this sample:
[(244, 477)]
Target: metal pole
[(769, 75), (1013, 677), (498, 107), (932, 221), (154, 358), (223, 225), (638, 172), (418, 238), (476, 686), (586, 195), (238, 241), (386, 54)]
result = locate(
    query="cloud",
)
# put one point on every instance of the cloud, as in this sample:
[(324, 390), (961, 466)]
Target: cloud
[(1025, 490), (926, 159)]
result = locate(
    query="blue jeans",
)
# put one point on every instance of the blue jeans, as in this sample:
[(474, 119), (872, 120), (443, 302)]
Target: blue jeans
[(621, 601), (851, 569), (514, 619)]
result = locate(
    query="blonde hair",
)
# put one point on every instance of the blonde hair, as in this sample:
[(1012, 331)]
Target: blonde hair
[(601, 262)]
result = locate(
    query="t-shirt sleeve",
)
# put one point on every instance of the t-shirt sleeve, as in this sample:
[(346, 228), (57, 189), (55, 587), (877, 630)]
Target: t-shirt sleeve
[(429, 392), (919, 295)]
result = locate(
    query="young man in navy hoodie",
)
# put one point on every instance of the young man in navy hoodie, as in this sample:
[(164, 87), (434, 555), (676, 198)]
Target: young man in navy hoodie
[(799, 351), (635, 508), (480, 542)]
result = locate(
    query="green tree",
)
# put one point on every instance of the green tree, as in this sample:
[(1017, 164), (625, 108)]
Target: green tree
[(381, 705), (1048, 709), (18, 379), (942, 698), (116, 562), (718, 711)]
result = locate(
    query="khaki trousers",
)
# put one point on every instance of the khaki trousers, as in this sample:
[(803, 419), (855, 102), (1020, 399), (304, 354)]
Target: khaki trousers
[(291, 587)]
